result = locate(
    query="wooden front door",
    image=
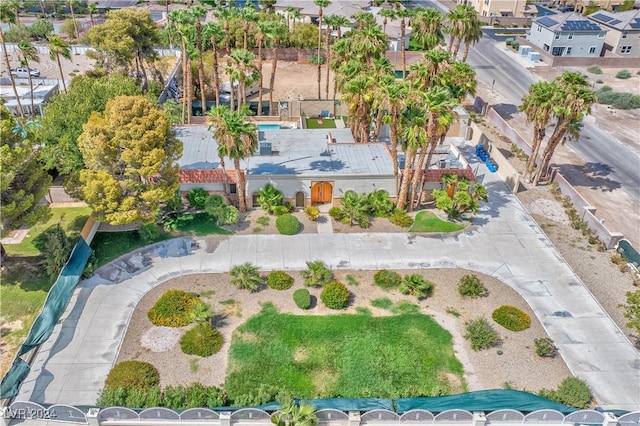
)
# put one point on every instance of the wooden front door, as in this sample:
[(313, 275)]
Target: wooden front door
[(321, 192), (300, 199)]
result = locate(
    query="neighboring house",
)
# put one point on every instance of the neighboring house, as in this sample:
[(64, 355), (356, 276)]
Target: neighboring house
[(497, 7), (309, 10), (579, 5), (567, 34), (393, 31), (623, 35), (308, 165), (43, 90), (116, 4)]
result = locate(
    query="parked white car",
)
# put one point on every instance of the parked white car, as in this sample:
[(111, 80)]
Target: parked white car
[(23, 72)]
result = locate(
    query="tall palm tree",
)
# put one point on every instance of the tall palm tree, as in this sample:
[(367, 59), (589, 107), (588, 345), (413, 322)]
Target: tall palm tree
[(277, 31), (369, 43), (455, 24), (426, 25), (243, 70), (321, 5), (92, 8), (331, 21), (295, 15), (249, 16), (199, 12), (289, 10), (387, 14), (225, 15), (214, 32), (537, 106), (7, 15), (573, 101), (236, 140), (414, 137), (29, 53), (73, 18), (340, 21), (57, 48), (473, 33), (182, 22), (263, 29)]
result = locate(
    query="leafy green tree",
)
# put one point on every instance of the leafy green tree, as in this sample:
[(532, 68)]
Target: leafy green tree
[(56, 250), (24, 180), (317, 274), (67, 112), (127, 38), (130, 155), (626, 5), (57, 48), (246, 276), (466, 199), (237, 140), (291, 414), (269, 198), (41, 30)]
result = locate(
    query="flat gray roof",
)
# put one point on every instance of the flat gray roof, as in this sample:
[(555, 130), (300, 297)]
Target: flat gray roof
[(295, 152)]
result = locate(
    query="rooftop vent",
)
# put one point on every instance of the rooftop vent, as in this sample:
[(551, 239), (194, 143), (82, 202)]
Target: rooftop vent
[(266, 148)]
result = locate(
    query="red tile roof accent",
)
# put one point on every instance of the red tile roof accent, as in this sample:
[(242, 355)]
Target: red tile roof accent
[(207, 176), (435, 175)]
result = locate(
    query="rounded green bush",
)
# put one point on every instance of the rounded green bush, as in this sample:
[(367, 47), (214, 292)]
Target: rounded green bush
[(133, 374), (481, 334), (401, 218), (287, 224), (471, 286), (279, 280), (335, 295), (511, 318), (624, 74), (197, 198), (336, 213), (202, 340), (173, 309), (302, 298), (387, 279)]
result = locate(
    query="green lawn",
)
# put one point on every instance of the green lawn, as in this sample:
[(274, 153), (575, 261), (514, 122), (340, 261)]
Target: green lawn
[(72, 220), (429, 222), (327, 123), (343, 356), (109, 246)]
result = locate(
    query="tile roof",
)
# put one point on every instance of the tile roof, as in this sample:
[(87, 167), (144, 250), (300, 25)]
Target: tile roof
[(435, 175), (207, 176)]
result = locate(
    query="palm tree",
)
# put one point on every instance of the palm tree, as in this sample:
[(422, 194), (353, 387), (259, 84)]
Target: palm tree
[(426, 25), (183, 21), (321, 5), (386, 15), (473, 33), (73, 18), (289, 10), (246, 276), (369, 43), (198, 12), (277, 31), (263, 29), (291, 414), (92, 8), (339, 22), (455, 23), (464, 25), (29, 53), (573, 101), (236, 140), (403, 14), (7, 15), (295, 15), (58, 47), (249, 15), (331, 21), (414, 137), (244, 72), (225, 15), (214, 32), (537, 106)]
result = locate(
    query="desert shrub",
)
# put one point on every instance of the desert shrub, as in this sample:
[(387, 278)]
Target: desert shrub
[(481, 334), (230, 215), (594, 69), (279, 280), (317, 274), (263, 220), (599, 81), (200, 312), (335, 295), (511, 318), (416, 285), (246, 276), (571, 391), (112, 397), (202, 340), (197, 198), (545, 347), (336, 213), (387, 279), (623, 74), (217, 206), (619, 100), (287, 224), (302, 298), (471, 286), (312, 212), (173, 309), (515, 45), (261, 395), (383, 303), (380, 204), (269, 198), (132, 375), (401, 218), (280, 210), (149, 232)]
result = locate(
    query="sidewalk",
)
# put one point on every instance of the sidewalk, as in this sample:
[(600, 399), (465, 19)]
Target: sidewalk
[(504, 242)]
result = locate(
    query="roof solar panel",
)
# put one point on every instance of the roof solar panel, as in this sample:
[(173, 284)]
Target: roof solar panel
[(547, 22), (602, 17), (580, 26), (635, 25), (616, 22)]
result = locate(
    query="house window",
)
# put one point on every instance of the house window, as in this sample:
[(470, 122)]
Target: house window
[(625, 49), (557, 36), (546, 47), (592, 50), (570, 36), (624, 34), (539, 28), (601, 34), (569, 50), (233, 188), (486, 2)]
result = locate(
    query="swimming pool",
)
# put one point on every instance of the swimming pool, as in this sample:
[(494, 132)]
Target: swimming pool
[(269, 127)]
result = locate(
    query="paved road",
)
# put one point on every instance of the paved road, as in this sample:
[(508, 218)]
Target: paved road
[(504, 242)]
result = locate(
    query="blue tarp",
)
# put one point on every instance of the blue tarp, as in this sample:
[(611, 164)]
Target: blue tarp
[(487, 401), (351, 404), (15, 376)]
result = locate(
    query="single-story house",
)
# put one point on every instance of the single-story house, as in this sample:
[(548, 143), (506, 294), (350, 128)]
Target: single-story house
[(623, 35), (567, 34)]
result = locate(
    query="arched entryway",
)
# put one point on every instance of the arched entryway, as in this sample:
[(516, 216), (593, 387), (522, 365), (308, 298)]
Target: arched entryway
[(300, 199), (321, 192)]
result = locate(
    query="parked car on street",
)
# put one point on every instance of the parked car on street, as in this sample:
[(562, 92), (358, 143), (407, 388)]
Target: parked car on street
[(23, 72)]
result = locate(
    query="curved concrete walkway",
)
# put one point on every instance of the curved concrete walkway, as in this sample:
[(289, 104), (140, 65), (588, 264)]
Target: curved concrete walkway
[(504, 242)]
